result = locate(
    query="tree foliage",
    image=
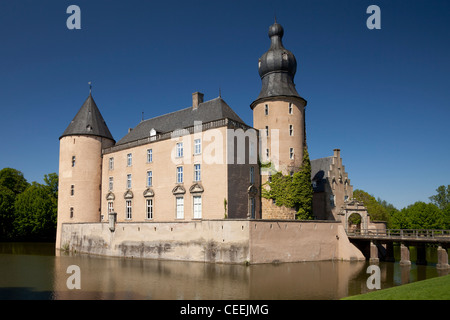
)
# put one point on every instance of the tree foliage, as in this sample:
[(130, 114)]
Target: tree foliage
[(376, 210), (27, 211), (13, 180), (419, 215), (7, 198), (35, 214), (442, 198)]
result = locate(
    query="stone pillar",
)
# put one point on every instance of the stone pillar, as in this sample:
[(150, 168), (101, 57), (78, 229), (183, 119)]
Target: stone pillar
[(442, 258), (404, 255), (421, 254), (390, 252), (373, 253)]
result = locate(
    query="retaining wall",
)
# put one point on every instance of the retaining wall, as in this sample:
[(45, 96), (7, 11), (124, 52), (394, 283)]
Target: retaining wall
[(221, 241)]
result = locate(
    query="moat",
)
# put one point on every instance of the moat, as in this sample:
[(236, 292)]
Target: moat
[(33, 271)]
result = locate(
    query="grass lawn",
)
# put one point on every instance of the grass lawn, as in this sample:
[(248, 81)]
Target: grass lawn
[(431, 289)]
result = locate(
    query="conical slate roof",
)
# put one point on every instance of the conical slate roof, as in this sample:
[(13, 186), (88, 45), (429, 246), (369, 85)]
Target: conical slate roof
[(88, 121)]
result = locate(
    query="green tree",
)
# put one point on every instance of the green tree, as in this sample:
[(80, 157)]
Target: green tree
[(399, 220), (35, 213), (446, 213), (6, 212), (442, 198), (13, 180), (376, 210), (421, 215)]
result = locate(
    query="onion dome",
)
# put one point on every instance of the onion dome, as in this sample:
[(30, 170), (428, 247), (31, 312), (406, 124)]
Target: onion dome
[(277, 68)]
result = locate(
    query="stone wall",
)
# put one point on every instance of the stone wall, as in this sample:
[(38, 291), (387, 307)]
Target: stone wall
[(272, 211), (217, 241)]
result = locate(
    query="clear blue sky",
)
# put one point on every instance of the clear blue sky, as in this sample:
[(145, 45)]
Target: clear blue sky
[(381, 96)]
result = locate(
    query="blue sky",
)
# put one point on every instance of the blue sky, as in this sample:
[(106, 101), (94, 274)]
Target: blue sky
[(381, 96)]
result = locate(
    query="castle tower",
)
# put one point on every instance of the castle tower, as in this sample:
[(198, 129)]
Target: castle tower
[(80, 167), (279, 113)]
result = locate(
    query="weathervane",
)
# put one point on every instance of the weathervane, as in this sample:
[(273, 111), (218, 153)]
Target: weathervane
[(90, 87)]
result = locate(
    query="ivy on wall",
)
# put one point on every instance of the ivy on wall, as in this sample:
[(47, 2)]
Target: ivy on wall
[(292, 191)]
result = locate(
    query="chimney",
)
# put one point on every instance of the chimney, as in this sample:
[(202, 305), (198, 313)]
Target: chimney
[(337, 153), (197, 98)]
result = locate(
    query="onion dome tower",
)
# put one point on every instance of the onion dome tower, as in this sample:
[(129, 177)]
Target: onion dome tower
[(80, 167), (279, 111), (279, 115)]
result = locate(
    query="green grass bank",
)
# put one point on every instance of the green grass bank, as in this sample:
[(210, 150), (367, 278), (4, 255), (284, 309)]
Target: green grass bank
[(431, 289)]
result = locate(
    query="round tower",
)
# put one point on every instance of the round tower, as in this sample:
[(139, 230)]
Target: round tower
[(279, 111), (279, 115), (80, 167)]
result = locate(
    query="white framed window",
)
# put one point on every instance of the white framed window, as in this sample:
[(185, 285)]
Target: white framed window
[(111, 183), (291, 109), (129, 159), (180, 207), (179, 174), (252, 175), (197, 172), (149, 178), (110, 207), (111, 163), (197, 207), (291, 153), (266, 109), (149, 155), (128, 210), (128, 181), (73, 161), (197, 146), (149, 208), (291, 130), (180, 149)]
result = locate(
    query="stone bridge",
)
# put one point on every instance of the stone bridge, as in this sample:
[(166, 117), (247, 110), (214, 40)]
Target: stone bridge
[(378, 244)]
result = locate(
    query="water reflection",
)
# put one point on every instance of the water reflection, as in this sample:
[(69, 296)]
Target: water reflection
[(113, 278), (27, 276)]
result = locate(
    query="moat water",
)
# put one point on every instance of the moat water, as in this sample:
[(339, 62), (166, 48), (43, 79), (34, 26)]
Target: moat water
[(33, 271)]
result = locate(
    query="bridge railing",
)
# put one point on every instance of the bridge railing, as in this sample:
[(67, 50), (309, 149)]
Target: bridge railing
[(400, 233)]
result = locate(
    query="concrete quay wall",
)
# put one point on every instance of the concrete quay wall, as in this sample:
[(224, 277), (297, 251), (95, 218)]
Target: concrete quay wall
[(216, 241)]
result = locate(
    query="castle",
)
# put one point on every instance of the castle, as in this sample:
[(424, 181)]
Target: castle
[(192, 179)]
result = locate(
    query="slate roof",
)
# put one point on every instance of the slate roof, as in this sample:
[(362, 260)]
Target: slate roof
[(88, 121), (215, 109), (319, 172)]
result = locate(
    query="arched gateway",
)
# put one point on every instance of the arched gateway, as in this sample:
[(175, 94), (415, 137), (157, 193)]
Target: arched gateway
[(352, 207)]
